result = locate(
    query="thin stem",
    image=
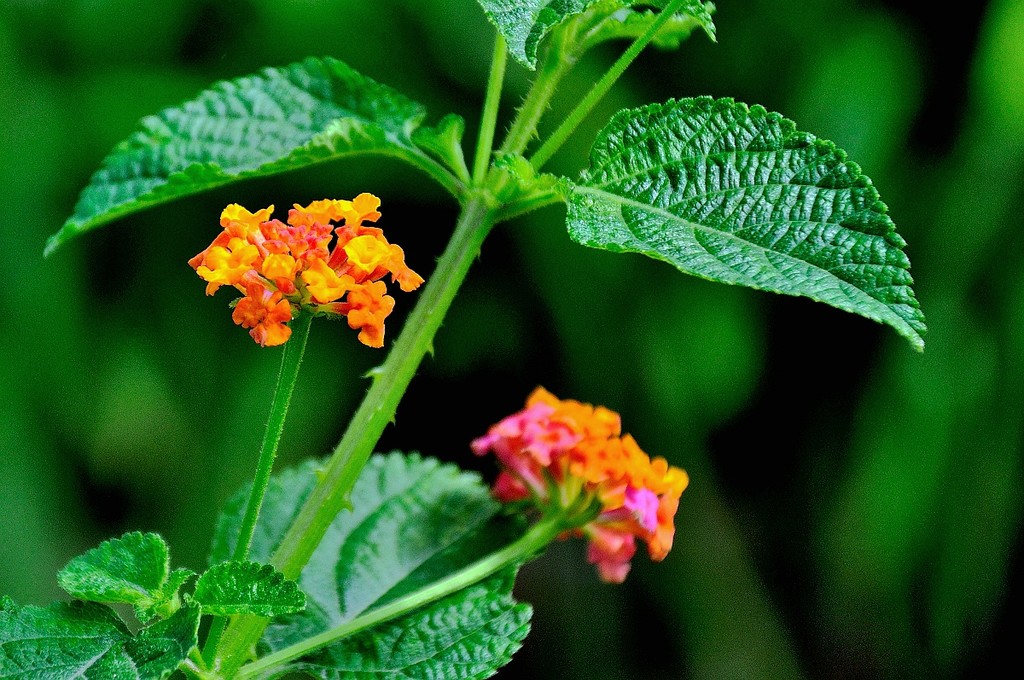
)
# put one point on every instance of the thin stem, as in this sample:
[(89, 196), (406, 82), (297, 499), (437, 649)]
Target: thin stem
[(528, 204), (330, 495), (601, 87), (489, 119), (286, 377), (534, 540), (440, 173)]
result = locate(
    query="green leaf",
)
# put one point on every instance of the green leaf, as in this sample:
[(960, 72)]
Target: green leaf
[(737, 195), (87, 640), (132, 569), (629, 25), (170, 599), (160, 648), (413, 522), (468, 635), (525, 23), (444, 141), (232, 588), (277, 120), (521, 181)]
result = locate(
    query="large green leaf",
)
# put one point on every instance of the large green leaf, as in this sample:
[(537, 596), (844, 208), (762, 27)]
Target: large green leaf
[(737, 195), (468, 635), (232, 588), (87, 640), (279, 119), (413, 522), (525, 23)]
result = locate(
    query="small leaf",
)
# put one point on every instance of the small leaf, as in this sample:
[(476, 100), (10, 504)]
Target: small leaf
[(521, 180), (277, 120), (232, 588), (159, 649), (737, 195), (132, 569), (170, 599), (631, 24), (524, 24), (413, 522), (85, 639), (444, 141)]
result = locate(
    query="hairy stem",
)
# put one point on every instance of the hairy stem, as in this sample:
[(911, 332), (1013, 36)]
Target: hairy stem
[(601, 87), (286, 377), (489, 119), (520, 550), (330, 495), (550, 72)]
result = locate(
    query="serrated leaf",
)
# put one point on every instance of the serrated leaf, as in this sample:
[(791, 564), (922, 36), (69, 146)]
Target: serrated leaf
[(276, 120), (159, 649), (87, 640), (132, 569), (232, 588), (738, 195), (467, 635), (525, 23), (413, 522)]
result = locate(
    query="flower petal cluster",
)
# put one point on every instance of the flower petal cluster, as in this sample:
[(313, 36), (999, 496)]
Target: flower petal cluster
[(306, 263), (568, 457)]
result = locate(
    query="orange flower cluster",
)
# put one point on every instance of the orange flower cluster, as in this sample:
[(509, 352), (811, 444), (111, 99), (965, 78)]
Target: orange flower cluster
[(562, 455), (282, 268)]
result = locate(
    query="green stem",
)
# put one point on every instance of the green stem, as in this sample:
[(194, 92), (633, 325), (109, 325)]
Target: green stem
[(533, 541), (601, 87), (441, 174), (550, 73), (286, 377), (330, 495), (490, 113), (528, 204)]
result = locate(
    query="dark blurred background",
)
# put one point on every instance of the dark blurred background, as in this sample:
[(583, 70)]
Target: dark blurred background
[(854, 507)]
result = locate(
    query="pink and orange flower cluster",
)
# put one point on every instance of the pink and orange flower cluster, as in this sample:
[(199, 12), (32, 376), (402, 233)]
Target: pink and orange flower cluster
[(566, 456), (284, 268)]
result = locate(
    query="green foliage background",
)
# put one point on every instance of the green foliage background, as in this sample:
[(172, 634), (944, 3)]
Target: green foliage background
[(855, 506)]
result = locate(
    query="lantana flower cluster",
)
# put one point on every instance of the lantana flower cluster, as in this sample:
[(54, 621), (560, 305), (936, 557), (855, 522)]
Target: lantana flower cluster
[(283, 268), (572, 458)]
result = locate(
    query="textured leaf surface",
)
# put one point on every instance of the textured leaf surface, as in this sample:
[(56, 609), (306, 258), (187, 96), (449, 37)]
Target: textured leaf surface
[(87, 640), (525, 23), (247, 588), (413, 522), (132, 569), (738, 195), (468, 635), (279, 119)]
